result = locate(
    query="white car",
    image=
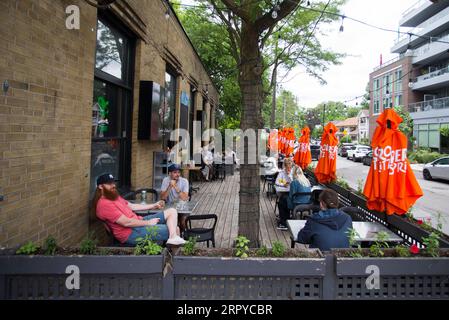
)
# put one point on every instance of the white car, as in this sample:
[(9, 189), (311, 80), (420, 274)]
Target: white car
[(438, 169), (357, 152)]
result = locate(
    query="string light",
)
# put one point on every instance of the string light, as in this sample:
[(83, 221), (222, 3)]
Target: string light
[(341, 27), (167, 14), (276, 8), (326, 12)]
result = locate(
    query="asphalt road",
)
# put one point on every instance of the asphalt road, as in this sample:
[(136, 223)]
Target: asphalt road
[(435, 199)]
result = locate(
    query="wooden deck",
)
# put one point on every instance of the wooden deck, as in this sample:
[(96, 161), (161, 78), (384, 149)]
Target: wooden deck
[(222, 199)]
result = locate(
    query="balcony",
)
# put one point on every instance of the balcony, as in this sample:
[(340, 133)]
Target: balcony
[(434, 26), (429, 109), (420, 11), (432, 51), (433, 80)]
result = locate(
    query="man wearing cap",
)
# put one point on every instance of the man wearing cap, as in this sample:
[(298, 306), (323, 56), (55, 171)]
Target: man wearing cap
[(174, 187), (125, 225)]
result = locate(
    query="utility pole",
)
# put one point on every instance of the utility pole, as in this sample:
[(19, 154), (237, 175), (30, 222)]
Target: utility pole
[(283, 105), (324, 113)]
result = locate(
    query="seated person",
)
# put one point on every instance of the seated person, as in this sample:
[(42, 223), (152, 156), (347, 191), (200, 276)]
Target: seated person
[(328, 228), (208, 160), (124, 224), (299, 184), (174, 187), (284, 179)]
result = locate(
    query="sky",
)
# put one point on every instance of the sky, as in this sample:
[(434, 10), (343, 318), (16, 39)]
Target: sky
[(362, 44)]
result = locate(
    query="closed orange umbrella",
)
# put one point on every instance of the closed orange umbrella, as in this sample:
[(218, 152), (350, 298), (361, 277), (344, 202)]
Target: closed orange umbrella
[(273, 141), (327, 163), (391, 185), (303, 156), (289, 142)]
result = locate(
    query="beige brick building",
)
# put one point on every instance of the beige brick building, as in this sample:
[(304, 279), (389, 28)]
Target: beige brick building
[(51, 141)]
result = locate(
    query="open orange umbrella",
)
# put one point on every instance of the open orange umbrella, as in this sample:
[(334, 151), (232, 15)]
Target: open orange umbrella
[(303, 157), (391, 185), (327, 163)]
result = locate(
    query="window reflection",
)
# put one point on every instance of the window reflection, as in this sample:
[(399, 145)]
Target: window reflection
[(110, 51)]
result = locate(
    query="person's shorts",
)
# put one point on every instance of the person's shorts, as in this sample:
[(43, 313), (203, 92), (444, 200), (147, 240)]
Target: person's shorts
[(158, 232)]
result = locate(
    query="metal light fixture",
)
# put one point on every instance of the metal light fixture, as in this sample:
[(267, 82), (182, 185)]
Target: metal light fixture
[(341, 27), (5, 87)]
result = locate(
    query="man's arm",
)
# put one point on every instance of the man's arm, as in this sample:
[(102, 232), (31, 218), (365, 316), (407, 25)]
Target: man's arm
[(131, 223), (165, 189), (305, 234), (139, 206)]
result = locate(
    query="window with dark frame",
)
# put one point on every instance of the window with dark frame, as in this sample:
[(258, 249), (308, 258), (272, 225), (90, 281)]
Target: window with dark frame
[(112, 103)]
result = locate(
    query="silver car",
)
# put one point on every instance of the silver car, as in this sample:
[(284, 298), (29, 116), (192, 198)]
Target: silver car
[(438, 169)]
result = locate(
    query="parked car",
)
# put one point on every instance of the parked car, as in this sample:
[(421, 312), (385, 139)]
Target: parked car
[(357, 152), (343, 149), (315, 151), (438, 169), (366, 160)]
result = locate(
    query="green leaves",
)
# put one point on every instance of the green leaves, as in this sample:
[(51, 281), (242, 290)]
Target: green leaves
[(241, 243), (29, 248), (146, 245)]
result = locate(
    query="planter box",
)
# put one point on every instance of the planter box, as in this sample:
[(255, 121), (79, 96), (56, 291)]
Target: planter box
[(101, 277), (410, 231), (400, 278), (251, 278)]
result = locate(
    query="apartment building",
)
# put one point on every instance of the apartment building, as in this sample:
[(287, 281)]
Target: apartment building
[(418, 79)]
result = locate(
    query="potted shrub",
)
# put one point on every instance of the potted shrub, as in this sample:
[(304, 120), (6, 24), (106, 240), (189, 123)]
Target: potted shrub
[(244, 273), (401, 272)]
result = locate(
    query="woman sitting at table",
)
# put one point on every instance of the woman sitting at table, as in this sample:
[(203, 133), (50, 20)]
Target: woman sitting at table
[(299, 184), (284, 179), (328, 228)]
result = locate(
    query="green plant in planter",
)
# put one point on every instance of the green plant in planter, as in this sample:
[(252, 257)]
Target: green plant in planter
[(241, 244), (409, 214), (353, 234), (380, 243), (28, 248), (88, 245), (189, 247), (342, 183), (278, 249), (360, 186), (146, 245), (262, 251), (432, 244), (50, 246), (402, 251)]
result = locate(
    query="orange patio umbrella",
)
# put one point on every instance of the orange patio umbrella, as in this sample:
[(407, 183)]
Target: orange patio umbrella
[(391, 185), (303, 157), (327, 163)]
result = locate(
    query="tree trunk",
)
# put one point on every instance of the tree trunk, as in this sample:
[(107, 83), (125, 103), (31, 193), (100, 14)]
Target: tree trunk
[(250, 82), (273, 102)]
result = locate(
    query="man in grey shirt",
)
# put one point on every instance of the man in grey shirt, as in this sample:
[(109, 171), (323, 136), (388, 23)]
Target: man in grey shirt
[(174, 187)]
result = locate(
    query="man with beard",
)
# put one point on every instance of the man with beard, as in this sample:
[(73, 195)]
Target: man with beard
[(124, 224), (174, 187)]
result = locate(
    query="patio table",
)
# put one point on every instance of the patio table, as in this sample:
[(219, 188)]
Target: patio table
[(367, 231)]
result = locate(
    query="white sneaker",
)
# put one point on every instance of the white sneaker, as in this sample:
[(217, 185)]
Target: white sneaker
[(177, 241)]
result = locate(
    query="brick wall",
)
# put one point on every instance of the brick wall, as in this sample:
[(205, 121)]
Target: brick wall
[(45, 118)]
